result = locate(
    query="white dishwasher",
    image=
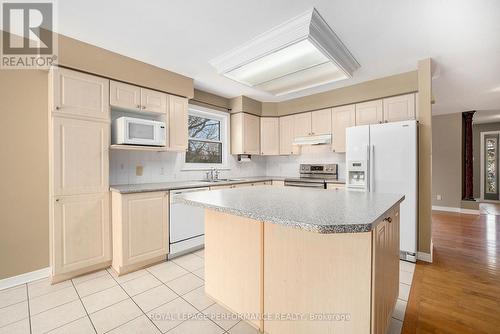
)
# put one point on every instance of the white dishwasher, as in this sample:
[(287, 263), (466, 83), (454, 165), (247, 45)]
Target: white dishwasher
[(187, 224)]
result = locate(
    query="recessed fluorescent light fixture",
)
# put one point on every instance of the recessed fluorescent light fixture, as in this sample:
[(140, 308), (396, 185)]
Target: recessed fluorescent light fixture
[(301, 53)]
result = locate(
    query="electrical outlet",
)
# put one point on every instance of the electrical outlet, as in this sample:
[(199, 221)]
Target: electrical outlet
[(139, 170), (438, 197)]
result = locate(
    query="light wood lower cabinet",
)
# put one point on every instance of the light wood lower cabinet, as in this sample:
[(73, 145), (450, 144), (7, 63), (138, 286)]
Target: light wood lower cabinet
[(385, 282), (140, 229), (80, 235)]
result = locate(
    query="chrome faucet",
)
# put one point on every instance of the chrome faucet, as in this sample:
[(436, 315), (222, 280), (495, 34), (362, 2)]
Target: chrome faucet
[(213, 174)]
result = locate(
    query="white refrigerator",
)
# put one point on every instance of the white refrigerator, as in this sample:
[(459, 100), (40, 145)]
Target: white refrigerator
[(383, 158)]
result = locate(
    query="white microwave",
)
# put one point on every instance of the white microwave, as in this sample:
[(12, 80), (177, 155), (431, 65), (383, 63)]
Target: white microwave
[(137, 131)]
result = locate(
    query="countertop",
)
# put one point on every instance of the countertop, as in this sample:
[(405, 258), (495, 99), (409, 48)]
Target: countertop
[(166, 186), (316, 210)]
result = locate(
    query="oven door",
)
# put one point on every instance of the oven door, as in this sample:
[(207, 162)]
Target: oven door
[(305, 184)]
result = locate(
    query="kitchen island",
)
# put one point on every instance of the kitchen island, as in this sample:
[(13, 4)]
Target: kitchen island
[(295, 260)]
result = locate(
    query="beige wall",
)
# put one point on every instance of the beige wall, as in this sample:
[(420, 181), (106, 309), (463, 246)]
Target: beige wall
[(24, 236), (369, 90), (210, 100), (476, 149), (88, 58), (447, 160), (246, 104)]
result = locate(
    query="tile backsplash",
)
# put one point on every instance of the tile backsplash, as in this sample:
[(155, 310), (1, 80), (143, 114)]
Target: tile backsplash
[(168, 166)]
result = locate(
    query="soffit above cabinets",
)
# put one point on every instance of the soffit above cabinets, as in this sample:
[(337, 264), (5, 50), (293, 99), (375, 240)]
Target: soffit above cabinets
[(301, 53)]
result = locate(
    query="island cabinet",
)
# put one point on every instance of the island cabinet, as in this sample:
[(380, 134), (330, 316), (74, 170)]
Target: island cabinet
[(296, 281), (140, 229), (245, 134)]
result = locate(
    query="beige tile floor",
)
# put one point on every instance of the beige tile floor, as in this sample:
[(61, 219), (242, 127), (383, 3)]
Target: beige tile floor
[(100, 302)]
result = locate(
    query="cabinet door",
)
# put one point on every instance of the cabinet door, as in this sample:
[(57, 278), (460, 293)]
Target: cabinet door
[(369, 113), (251, 134), (399, 108), (80, 156), (177, 123), (270, 136), (124, 96), (79, 94), (153, 101), (342, 118), (81, 235), (321, 122), (145, 226), (379, 284), (287, 135), (302, 125)]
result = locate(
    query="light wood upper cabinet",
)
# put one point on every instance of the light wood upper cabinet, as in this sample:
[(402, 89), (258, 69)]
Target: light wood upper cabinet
[(245, 134), (342, 118), (369, 112), (79, 94), (140, 229), (125, 96), (154, 101), (177, 123), (321, 122), (287, 135), (132, 97), (270, 136), (399, 108), (80, 156), (302, 125), (80, 234)]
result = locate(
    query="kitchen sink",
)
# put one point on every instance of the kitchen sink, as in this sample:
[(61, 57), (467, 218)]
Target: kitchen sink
[(222, 180)]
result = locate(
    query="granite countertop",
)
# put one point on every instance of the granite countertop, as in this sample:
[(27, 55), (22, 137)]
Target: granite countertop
[(309, 209), (166, 186)]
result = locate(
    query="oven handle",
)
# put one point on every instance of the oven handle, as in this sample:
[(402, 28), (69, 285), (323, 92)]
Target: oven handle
[(308, 185)]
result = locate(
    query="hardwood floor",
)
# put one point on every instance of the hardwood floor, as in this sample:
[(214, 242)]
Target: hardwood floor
[(460, 291)]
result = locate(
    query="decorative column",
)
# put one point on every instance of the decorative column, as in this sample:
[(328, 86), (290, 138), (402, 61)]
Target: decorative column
[(468, 165)]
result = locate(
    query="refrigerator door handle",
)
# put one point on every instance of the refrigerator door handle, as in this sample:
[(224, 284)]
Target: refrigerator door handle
[(372, 158), (368, 168)]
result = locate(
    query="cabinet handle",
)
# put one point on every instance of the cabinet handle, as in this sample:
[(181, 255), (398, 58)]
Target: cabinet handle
[(143, 107), (138, 106), (389, 219), (57, 108), (57, 200)]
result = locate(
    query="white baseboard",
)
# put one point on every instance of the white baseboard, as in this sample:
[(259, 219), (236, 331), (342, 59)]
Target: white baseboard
[(457, 210), (24, 278), (426, 257)]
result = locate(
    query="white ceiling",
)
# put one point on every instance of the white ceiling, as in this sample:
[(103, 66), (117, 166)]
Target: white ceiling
[(385, 36)]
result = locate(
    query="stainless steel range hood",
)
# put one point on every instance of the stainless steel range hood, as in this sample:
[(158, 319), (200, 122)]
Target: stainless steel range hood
[(313, 140)]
